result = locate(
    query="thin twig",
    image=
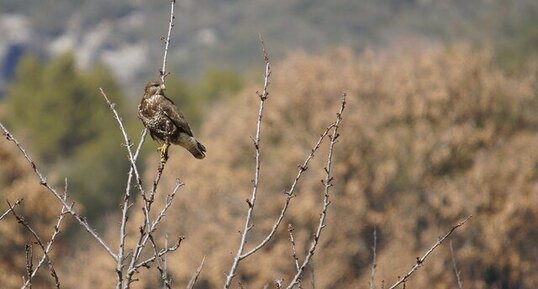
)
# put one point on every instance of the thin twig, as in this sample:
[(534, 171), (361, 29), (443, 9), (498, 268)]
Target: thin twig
[(124, 214), (29, 256), (17, 202), (290, 193), (420, 260), (161, 263), (69, 207), (128, 143), (327, 184), (151, 259), (294, 251), (194, 277), (163, 73), (252, 201), (147, 226), (374, 261), (48, 247), (31, 272), (455, 266), (145, 230), (165, 276)]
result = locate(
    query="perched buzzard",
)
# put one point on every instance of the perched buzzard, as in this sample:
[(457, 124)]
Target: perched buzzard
[(165, 122)]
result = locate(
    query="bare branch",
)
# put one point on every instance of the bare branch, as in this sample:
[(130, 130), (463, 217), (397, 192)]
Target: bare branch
[(163, 73), (29, 256), (421, 260), (374, 261), (48, 247), (124, 214), (128, 143), (252, 201), (294, 251), (290, 193), (17, 202), (148, 228), (161, 263), (31, 272), (327, 184), (194, 277), (455, 266), (69, 207), (150, 260)]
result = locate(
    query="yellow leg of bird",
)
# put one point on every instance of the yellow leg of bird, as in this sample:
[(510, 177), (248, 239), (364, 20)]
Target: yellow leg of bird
[(164, 152)]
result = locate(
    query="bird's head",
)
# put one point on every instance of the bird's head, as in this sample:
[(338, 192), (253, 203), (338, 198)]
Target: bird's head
[(154, 87)]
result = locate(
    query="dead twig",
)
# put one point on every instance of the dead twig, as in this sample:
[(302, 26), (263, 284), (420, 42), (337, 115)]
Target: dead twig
[(69, 207), (163, 73), (30, 271), (17, 202), (420, 260), (48, 247), (455, 266), (294, 251), (327, 184), (194, 277), (252, 201)]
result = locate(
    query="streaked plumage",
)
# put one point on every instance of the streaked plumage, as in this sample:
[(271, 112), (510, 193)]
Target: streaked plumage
[(166, 124)]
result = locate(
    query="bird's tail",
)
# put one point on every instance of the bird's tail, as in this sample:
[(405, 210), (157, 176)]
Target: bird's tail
[(195, 148)]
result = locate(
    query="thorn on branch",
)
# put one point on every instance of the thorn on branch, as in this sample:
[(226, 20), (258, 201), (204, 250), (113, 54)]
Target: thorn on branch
[(249, 203)]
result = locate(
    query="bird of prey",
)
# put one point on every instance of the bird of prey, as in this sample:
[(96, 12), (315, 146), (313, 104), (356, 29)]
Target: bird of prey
[(166, 124)]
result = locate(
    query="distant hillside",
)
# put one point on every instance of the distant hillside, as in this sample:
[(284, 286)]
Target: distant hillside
[(126, 34)]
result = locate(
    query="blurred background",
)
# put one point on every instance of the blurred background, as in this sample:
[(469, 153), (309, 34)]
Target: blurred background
[(442, 123)]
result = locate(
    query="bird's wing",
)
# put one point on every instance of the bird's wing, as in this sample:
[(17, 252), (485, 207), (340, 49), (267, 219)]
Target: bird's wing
[(173, 113)]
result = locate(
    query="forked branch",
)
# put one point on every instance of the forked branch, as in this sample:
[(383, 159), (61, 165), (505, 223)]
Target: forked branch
[(68, 207), (327, 184)]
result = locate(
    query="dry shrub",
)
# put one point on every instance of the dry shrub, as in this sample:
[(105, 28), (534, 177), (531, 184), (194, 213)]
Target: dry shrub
[(431, 135)]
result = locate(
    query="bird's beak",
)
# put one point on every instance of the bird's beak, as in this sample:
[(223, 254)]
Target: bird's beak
[(162, 87)]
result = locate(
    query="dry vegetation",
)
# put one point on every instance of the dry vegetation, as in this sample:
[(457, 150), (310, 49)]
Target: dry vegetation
[(431, 136)]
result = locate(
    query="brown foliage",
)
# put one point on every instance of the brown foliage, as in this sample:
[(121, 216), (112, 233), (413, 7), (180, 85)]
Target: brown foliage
[(17, 181), (431, 136)]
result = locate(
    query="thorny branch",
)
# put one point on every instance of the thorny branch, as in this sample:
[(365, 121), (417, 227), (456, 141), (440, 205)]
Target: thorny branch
[(48, 247), (420, 260), (327, 184), (161, 263), (45, 249), (294, 250), (148, 226), (163, 73), (252, 201), (290, 193), (17, 202), (69, 207), (150, 260), (124, 214)]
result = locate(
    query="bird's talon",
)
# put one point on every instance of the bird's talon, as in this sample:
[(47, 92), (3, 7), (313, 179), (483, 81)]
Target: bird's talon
[(164, 152)]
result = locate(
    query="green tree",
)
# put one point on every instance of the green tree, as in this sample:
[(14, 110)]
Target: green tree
[(69, 126), (193, 99)]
